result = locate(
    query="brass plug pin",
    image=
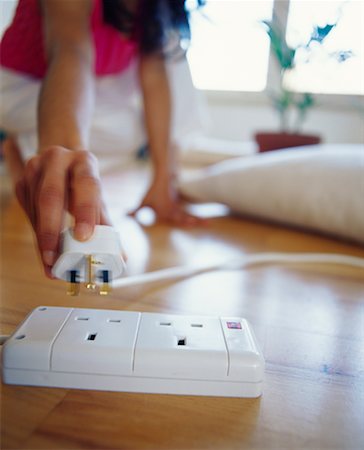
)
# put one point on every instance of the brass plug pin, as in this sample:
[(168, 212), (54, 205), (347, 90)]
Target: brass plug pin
[(105, 287), (90, 283), (73, 285)]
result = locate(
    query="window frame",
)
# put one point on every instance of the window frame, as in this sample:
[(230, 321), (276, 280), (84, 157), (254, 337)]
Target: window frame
[(348, 102)]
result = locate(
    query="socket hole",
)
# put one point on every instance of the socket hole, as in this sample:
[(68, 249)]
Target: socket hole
[(196, 325), (165, 324), (114, 320), (91, 336), (21, 336), (42, 309), (82, 318), (181, 341)]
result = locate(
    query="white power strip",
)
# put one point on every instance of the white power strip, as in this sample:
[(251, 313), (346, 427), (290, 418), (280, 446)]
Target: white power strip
[(134, 352)]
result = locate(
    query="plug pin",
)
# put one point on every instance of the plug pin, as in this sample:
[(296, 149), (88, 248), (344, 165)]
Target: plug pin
[(73, 286), (105, 287), (90, 284)]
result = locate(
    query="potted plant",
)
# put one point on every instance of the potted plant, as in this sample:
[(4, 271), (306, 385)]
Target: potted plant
[(292, 105)]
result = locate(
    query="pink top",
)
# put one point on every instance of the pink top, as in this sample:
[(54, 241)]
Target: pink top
[(22, 47)]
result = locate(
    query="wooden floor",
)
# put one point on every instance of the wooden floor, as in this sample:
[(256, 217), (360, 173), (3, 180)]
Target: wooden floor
[(308, 320)]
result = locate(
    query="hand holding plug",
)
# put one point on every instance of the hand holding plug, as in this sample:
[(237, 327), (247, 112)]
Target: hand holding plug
[(49, 185)]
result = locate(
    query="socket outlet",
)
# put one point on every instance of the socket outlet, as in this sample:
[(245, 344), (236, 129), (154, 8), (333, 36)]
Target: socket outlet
[(96, 341), (186, 347), (134, 352)]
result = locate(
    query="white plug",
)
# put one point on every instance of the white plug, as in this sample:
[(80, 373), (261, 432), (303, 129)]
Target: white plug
[(134, 352), (95, 262)]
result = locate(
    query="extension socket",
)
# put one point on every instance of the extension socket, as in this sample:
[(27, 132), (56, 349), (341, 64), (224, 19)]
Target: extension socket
[(134, 352), (94, 262)]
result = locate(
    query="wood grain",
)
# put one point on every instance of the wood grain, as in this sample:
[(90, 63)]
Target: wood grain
[(308, 320)]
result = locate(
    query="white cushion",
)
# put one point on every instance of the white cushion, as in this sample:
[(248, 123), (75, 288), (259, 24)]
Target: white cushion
[(200, 150), (319, 187)]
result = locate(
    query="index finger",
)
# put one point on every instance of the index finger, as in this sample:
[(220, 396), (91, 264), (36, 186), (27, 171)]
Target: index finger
[(51, 206), (85, 195)]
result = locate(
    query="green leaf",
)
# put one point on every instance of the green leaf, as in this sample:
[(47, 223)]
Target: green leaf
[(305, 102), (319, 34), (283, 53)]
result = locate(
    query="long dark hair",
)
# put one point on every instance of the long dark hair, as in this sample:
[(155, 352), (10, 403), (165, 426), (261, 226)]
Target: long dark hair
[(151, 22)]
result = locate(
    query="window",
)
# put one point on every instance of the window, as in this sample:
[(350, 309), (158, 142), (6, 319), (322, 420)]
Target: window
[(230, 50), (323, 73)]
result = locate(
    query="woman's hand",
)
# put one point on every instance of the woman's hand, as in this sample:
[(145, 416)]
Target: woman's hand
[(168, 205), (50, 184), (162, 196)]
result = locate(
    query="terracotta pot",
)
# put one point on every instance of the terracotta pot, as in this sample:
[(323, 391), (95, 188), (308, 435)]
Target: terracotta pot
[(275, 141)]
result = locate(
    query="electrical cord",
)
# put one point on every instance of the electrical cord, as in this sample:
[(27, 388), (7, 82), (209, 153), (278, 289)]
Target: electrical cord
[(254, 259)]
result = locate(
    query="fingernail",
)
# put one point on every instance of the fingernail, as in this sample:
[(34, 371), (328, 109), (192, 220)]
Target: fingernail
[(83, 231), (48, 257)]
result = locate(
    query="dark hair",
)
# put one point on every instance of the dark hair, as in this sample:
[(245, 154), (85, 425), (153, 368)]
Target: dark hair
[(151, 22)]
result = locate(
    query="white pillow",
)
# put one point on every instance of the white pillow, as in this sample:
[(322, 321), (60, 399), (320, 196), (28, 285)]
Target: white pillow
[(200, 150), (317, 187)]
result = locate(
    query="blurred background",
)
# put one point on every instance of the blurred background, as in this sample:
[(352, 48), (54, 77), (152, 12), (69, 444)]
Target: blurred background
[(234, 67)]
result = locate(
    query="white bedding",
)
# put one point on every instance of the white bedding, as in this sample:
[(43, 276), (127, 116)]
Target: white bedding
[(319, 187)]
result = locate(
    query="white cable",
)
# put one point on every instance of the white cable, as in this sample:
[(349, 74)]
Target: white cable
[(239, 263), (3, 339), (254, 259)]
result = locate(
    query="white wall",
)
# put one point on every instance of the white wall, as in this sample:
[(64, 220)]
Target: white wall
[(232, 119)]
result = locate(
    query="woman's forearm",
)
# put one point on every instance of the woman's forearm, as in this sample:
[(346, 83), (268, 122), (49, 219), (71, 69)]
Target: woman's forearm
[(66, 99), (157, 111), (67, 94)]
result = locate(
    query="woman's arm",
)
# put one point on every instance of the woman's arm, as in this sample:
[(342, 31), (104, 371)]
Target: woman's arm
[(67, 94), (157, 112), (162, 196), (63, 176)]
